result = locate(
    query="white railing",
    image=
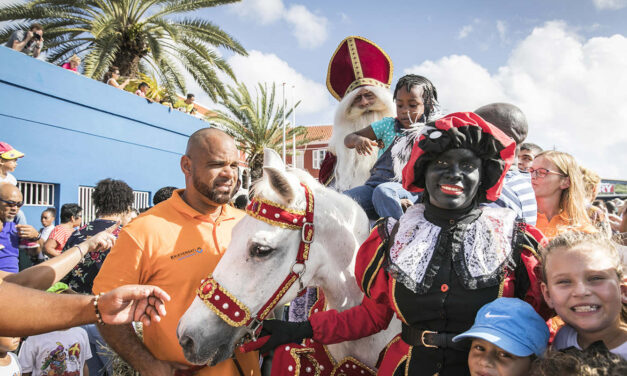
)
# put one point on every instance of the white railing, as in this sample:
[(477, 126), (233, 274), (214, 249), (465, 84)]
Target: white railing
[(85, 202), (37, 194), (141, 199)]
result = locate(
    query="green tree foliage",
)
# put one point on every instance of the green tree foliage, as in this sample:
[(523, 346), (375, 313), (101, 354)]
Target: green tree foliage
[(148, 36), (256, 123)]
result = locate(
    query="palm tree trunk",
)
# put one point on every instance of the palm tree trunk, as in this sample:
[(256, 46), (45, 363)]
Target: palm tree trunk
[(256, 166)]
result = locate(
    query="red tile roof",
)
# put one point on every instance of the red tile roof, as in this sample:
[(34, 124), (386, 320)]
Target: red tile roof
[(320, 133)]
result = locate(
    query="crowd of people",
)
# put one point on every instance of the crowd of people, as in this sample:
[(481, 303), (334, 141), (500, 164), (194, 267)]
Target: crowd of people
[(30, 42), (496, 256)]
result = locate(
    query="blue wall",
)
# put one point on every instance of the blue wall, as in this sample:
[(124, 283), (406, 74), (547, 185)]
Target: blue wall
[(75, 131)]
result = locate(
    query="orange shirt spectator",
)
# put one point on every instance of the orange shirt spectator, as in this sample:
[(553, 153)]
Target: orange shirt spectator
[(559, 224), (175, 247)]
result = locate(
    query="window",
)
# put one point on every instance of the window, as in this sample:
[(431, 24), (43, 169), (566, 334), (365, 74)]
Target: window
[(317, 157), (300, 159), (85, 202), (141, 200), (37, 194)]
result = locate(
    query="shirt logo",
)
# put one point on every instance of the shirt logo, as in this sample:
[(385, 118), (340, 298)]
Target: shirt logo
[(490, 316), (185, 254)]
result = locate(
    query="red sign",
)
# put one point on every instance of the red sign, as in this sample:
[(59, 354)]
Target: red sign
[(606, 188)]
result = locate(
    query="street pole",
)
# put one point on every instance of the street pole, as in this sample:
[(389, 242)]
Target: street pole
[(293, 126), (284, 123)]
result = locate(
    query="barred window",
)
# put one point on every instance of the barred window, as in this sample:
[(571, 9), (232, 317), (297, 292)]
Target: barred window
[(141, 200), (85, 202), (36, 194)]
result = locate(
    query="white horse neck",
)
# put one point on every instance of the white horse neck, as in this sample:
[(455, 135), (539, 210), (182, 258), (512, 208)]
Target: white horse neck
[(338, 242)]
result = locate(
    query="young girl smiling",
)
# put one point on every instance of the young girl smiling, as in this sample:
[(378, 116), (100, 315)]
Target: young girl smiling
[(583, 282)]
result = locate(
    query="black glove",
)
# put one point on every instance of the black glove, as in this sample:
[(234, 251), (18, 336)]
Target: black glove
[(282, 332)]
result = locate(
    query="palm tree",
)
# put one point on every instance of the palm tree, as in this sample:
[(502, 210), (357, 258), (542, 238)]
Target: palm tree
[(147, 36), (257, 123), (155, 91)]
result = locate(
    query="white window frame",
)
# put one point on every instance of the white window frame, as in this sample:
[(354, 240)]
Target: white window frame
[(300, 159), (317, 156), (141, 199), (36, 193)]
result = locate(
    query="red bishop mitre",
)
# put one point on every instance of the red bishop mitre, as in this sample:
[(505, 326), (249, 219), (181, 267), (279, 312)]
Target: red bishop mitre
[(358, 62)]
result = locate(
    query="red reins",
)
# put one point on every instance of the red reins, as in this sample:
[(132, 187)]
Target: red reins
[(227, 306)]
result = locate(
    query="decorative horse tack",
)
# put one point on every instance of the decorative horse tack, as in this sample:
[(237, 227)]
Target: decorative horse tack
[(228, 307)]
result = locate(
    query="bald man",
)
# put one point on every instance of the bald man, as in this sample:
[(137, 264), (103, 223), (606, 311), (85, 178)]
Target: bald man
[(174, 246), (517, 193), (10, 203)]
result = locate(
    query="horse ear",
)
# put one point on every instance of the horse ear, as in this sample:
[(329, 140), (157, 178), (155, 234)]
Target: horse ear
[(272, 159), (279, 183)]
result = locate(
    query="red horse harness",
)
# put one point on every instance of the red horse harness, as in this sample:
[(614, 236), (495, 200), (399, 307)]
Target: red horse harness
[(227, 306)]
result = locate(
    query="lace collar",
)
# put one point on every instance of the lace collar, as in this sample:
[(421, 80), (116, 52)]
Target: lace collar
[(486, 247)]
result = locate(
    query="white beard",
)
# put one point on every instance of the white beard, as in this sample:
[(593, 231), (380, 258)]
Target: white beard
[(352, 169)]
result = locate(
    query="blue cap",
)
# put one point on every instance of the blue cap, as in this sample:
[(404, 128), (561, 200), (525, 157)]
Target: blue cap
[(511, 324)]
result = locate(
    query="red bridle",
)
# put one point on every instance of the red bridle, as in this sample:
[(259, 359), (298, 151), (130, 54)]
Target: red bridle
[(227, 306)]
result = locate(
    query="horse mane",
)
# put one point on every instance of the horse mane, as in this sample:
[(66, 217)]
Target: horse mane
[(263, 188)]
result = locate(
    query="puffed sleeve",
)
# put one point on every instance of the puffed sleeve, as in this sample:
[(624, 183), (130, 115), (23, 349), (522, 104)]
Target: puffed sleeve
[(524, 281), (375, 312)]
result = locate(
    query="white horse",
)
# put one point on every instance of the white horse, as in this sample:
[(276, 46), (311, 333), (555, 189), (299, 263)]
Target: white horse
[(260, 255)]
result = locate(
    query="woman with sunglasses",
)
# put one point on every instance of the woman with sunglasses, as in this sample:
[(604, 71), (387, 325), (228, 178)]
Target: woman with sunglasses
[(560, 193), (112, 76)]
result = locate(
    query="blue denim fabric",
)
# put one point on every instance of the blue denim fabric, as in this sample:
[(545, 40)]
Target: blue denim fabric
[(363, 196), (386, 199), (100, 361)]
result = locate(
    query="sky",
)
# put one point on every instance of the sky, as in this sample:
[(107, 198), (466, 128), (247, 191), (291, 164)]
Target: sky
[(563, 62)]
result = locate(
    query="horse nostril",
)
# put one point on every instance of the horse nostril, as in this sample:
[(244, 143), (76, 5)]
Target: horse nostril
[(186, 341)]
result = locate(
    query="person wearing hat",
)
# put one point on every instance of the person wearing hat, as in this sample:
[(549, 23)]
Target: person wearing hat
[(8, 163), (441, 261), (506, 337), (72, 64), (359, 77)]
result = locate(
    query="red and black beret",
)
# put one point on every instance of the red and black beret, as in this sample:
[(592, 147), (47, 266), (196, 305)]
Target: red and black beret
[(462, 130)]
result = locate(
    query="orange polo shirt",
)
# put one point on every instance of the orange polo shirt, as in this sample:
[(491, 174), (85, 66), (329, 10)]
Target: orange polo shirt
[(559, 224), (173, 246)]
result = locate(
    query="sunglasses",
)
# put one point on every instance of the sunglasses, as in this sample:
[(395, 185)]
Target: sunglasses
[(13, 203), (542, 172)]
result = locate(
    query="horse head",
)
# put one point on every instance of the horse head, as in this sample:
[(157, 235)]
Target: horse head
[(264, 253)]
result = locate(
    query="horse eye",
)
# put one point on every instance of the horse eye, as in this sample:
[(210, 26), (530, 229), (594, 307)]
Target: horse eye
[(260, 250)]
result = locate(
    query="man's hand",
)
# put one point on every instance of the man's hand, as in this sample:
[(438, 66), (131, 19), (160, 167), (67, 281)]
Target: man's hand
[(27, 232), (130, 303), (29, 35), (276, 332)]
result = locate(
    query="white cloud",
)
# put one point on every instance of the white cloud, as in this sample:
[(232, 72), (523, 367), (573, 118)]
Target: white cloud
[(263, 11), (571, 89), (260, 67), (610, 4), (464, 31), (310, 30), (501, 27)]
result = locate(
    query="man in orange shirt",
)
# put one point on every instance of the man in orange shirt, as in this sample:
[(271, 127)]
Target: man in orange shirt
[(174, 245)]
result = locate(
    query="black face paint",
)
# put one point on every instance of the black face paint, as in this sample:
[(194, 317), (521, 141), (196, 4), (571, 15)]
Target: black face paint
[(452, 179)]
